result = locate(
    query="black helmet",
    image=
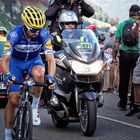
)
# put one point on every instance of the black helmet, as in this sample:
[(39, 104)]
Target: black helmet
[(3, 29), (101, 37)]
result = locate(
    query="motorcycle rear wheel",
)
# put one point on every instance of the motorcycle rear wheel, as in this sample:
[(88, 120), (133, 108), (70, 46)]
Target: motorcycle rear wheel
[(59, 123), (88, 116)]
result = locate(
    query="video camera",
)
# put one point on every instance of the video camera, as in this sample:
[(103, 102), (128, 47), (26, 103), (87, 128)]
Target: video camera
[(59, 2)]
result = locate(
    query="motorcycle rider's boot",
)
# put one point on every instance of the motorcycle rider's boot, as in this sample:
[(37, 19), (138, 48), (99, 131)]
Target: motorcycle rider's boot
[(134, 110)]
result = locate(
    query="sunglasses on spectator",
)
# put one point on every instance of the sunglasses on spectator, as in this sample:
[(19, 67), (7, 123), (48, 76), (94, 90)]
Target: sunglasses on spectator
[(32, 30), (2, 33), (68, 23)]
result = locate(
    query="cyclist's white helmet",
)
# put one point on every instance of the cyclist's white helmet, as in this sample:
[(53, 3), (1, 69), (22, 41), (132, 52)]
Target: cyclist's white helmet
[(67, 16), (112, 30)]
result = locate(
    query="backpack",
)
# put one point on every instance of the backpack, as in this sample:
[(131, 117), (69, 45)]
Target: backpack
[(130, 33)]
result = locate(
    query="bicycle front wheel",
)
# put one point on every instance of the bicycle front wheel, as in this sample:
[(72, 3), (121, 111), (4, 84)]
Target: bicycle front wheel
[(26, 129), (23, 123)]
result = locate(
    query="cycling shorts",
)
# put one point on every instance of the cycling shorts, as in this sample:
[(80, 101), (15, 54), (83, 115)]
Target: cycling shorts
[(17, 68)]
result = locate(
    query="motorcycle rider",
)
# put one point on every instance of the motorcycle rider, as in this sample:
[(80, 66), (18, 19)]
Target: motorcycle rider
[(67, 20)]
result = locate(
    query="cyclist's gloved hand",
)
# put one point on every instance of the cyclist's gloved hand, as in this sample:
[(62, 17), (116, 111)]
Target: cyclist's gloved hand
[(8, 78), (51, 82)]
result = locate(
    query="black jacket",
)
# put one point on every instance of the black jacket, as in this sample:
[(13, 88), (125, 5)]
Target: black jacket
[(54, 10)]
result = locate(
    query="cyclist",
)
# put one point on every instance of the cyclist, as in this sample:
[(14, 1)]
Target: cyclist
[(22, 53)]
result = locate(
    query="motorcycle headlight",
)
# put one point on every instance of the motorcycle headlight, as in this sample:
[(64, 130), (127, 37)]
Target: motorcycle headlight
[(87, 69)]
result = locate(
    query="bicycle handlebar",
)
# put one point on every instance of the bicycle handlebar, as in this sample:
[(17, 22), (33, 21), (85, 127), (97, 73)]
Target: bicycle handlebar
[(30, 83)]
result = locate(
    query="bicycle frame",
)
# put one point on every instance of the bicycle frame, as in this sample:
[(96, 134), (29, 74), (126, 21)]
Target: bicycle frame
[(23, 103), (23, 119)]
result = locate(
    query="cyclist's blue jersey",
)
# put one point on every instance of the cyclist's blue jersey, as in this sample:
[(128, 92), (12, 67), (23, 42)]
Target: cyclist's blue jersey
[(25, 49)]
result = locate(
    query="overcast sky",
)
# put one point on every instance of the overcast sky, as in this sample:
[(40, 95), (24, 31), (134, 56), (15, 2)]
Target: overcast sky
[(115, 8)]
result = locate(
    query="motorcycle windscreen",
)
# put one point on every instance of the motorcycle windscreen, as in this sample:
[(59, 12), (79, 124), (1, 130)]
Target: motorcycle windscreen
[(81, 44)]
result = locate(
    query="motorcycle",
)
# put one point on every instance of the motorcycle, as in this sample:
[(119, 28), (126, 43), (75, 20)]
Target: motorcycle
[(79, 75)]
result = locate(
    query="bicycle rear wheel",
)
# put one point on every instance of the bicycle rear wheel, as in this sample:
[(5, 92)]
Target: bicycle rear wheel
[(23, 123)]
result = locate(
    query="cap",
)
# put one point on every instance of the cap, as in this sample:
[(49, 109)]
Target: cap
[(112, 30), (134, 8)]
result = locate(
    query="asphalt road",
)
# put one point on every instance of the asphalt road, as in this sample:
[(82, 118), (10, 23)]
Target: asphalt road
[(112, 124)]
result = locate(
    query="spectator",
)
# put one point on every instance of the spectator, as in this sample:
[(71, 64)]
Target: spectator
[(80, 7), (101, 40), (113, 73), (127, 59), (94, 29), (136, 78), (3, 39)]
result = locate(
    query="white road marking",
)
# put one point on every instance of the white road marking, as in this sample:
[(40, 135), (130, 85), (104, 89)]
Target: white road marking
[(132, 125)]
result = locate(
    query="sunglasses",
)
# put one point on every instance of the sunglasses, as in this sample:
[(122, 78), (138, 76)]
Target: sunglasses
[(2, 33), (32, 30), (68, 23)]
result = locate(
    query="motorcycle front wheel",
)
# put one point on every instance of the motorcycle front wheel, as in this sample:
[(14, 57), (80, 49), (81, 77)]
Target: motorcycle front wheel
[(88, 116)]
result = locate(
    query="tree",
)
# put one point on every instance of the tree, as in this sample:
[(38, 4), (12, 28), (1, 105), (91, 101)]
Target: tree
[(8, 6)]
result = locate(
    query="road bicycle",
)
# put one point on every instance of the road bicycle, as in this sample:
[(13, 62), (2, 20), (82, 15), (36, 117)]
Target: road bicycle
[(22, 126)]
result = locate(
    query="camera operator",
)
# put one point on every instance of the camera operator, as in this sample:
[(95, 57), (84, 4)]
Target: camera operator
[(80, 7)]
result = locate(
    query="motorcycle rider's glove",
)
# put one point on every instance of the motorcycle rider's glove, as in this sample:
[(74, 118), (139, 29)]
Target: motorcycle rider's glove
[(57, 43), (8, 77), (51, 82)]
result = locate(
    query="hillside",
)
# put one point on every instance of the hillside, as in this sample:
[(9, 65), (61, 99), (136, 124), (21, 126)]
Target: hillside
[(10, 12), (116, 8)]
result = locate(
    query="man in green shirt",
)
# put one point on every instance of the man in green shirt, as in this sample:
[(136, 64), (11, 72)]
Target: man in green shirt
[(127, 60)]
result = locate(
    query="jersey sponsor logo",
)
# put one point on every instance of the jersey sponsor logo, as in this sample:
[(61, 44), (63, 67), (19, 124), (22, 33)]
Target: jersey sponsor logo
[(43, 33), (13, 34), (48, 44), (7, 46), (27, 48)]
